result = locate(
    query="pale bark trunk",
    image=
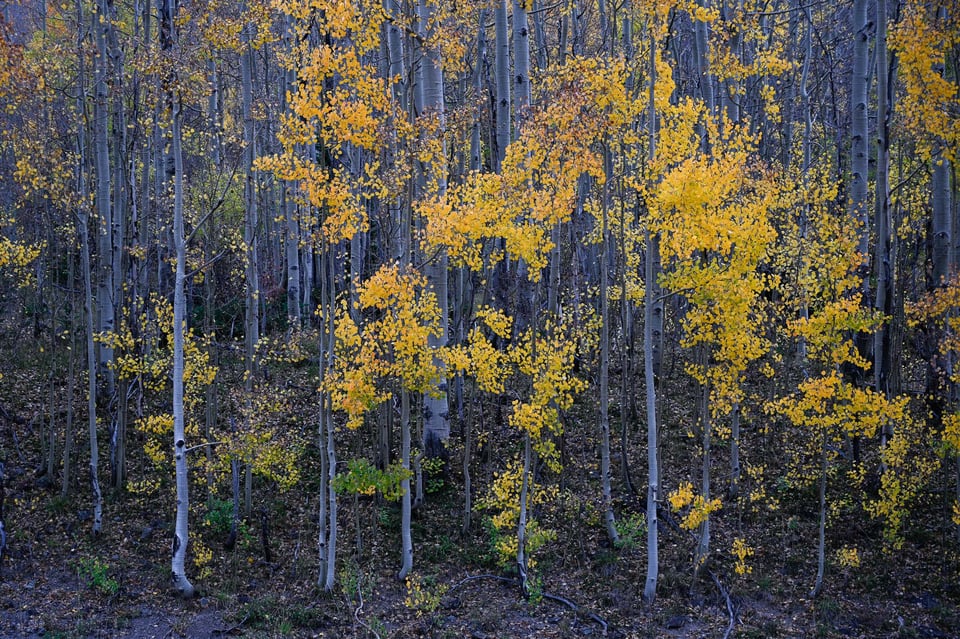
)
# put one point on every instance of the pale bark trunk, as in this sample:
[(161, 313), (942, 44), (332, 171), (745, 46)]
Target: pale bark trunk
[(91, 375), (822, 511), (83, 224), (436, 407), (105, 292), (859, 160), (326, 344), (702, 554), (521, 60), (328, 494), (332, 530), (540, 35), (883, 270), (180, 539), (735, 451), (522, 559), (71, 382), (651, 261), (701, 52), (251, 221), (502, 73), (608, 516), (943, 257), (406, 558), (167, 10), (476, 148), (653, 471), (292, 237)]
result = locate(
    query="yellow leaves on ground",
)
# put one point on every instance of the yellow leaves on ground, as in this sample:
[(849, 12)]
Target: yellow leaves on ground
[(848, 557)]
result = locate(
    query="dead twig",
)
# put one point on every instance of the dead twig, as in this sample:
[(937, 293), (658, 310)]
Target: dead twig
[(356, 613), (226, 631), (731, 610), (577, 610)]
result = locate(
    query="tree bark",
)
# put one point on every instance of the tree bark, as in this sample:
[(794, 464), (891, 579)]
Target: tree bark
[(502, 73), (436, 406), (252, 276), (608, 516)]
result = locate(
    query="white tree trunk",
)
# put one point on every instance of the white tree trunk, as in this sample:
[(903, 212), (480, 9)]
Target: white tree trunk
[(502, 73), (167, 10), (181, 531), (651, 260), (436, 407), (406, 538), (105, 293), (859, 160)]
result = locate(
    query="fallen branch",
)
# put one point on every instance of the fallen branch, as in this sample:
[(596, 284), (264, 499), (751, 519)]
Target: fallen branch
[(577, 610), (356, 613), (10, 417), (731, 611), (232, 629)]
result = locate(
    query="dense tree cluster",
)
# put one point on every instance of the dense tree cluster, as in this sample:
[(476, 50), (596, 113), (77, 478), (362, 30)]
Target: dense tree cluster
[(718, 231)]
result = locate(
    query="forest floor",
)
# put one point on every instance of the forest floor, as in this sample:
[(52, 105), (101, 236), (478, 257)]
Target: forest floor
[(58, 581)]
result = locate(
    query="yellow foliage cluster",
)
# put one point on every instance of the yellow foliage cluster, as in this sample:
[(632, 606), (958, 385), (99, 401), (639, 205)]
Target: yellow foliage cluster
[(393, 345), (420, 597), (149, 356), (838, 409), (504, 500), (922, 38), (536, 189), (202, 557), (699, 508), (15, 257), (714, 213), (741, 552), (909, 463), (848, 557), (342, 101)]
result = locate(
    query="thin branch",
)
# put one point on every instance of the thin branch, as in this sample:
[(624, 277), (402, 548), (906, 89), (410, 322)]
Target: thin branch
[(730, 609), (578, 610), (203, 445), (356, 613)]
